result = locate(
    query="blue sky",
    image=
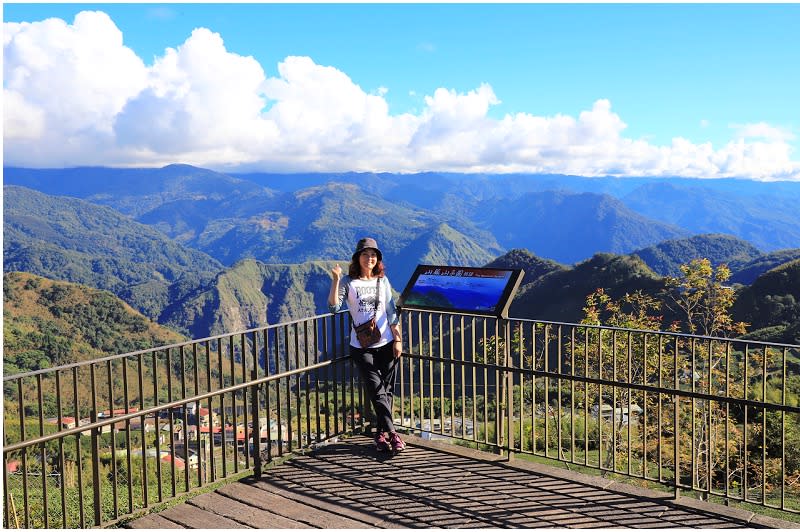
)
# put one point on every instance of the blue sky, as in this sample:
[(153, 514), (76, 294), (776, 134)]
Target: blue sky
[(705, 90)]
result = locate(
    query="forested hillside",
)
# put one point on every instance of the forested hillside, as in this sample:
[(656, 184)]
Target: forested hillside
[(253, 294), (48, 323), (204, 252), (666, 257), (561, 294), (523, 259), (771, 305), (441, 245), (748, 272), (73, 240), (232, 219), (325, 222)]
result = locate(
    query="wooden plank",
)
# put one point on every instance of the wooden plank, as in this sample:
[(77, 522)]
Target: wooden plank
[(193, 517), (351, 488), (310, 510), (375, 516), (248, 514), (152, 521)]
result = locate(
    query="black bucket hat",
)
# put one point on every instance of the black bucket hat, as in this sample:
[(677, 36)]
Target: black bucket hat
[(367, 243)]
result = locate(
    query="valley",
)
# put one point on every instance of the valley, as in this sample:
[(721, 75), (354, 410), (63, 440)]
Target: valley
[(200, 252)]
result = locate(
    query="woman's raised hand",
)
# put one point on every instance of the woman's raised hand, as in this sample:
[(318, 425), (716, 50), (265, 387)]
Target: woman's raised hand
[(337, 272)]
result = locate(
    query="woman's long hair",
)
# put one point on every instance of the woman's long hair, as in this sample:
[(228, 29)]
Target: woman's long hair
[(354, 270)]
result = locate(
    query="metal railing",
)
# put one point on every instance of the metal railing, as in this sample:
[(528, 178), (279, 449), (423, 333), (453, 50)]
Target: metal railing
[(93, 443), (715, 416)]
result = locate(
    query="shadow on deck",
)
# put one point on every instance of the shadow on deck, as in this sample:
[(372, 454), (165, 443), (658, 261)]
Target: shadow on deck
[(431, 485)]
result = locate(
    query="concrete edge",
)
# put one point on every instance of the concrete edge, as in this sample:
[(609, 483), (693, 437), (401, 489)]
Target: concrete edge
[(773, 522)]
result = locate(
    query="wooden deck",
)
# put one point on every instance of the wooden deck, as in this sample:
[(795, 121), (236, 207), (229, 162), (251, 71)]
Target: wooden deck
[(348, 485)]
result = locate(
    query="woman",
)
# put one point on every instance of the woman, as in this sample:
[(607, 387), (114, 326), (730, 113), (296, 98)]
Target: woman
[(369, 295)]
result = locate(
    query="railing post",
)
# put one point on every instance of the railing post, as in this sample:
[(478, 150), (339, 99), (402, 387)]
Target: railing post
[(500, 384), (95, 455), (254, 400), (509, 379), (256, 433), (676, 387)]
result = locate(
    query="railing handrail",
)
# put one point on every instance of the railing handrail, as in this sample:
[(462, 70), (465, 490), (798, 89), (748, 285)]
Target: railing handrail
[(689, 394), (319, 316), (178, 345), (305, 357), (608, 327), (163, 406), (240, 383)]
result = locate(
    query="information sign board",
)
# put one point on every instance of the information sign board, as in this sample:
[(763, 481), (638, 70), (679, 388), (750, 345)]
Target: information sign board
[(481, 291)]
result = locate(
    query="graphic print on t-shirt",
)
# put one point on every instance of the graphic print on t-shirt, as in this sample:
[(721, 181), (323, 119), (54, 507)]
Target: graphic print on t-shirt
[(367, 299)]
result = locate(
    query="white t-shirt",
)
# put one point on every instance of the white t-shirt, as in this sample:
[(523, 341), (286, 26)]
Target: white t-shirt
[(361, 298)]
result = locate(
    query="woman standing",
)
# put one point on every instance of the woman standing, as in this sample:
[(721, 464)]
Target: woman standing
[(369, 296)]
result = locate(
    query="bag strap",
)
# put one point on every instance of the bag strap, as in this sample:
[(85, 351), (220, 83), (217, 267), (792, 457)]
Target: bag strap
[(377, 298)]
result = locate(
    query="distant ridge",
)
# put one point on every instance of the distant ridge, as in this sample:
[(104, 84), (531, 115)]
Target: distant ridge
[(533, 266), (568, 227), (185, 202), (666, 257), (748, 272), (764, 214), (137, 191), (561, 294)]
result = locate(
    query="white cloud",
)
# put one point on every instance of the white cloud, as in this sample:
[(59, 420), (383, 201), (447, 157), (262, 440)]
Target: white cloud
[(762, 130), (198, 98), (63, 85), (21, 120), (75, 95)]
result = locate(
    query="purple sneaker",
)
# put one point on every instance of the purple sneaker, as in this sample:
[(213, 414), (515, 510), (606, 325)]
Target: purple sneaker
[(381, 444), (397, 444)]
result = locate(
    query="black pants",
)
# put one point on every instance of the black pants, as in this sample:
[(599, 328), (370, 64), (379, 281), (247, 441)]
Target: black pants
[(378, 369)]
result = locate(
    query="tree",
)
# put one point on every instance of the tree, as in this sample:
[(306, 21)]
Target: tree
[(701, 297), (702, 301), (608, 355)]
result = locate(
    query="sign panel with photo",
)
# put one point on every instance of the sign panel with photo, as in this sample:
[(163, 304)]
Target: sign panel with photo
[(481, 291)]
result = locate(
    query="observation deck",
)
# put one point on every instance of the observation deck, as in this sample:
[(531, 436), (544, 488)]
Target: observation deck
[(349, 485), (269, 428)]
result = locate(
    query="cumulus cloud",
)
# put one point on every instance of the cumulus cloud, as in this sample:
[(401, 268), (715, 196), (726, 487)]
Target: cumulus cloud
[(63, 86), (199, 99), (74, 94)]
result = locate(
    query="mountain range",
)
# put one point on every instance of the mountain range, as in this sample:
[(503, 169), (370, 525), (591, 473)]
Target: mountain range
[(564, 218), (73, 240), (204, 252)]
